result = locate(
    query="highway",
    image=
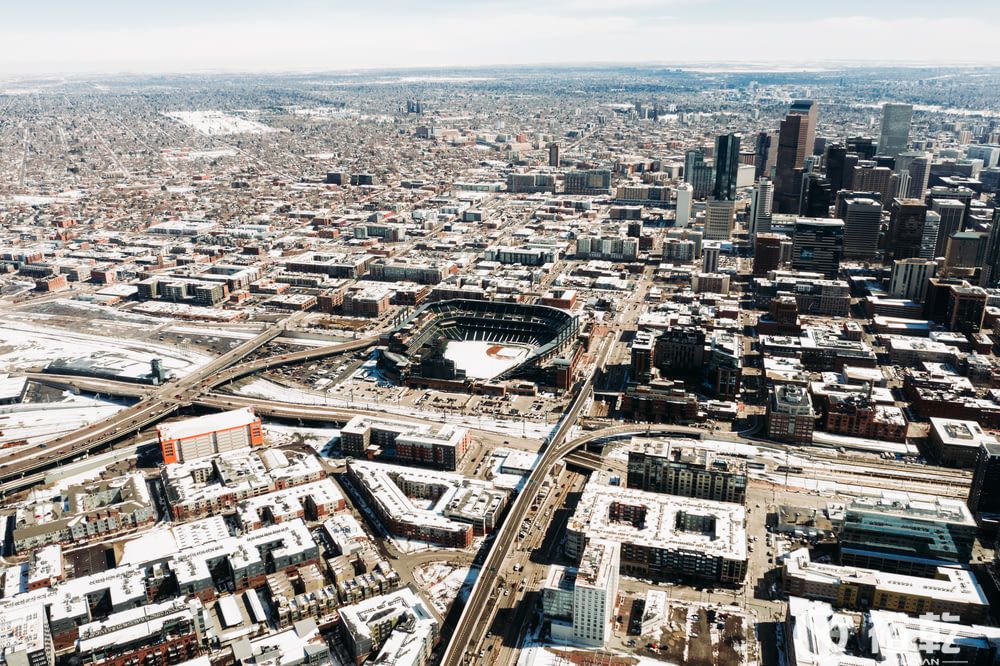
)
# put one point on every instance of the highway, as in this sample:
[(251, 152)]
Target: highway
[(155, 404), (477, 614)]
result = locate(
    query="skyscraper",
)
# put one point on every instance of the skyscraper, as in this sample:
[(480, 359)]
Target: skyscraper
[(697, 173), (920, 174), (710, 258), (952, 214), (684, 195), (929, 239), (760, 207), (887, 161), (809, 109), (862, 220), (964, 252), (905, 158), (817, 195), (727, 164), (895, 133), (843, 196), (817, 245), (984, 491), (871, 178), (909, 278), (719, 218), (553, 154), (862, 146), (990, 277), (990, 155), (906, 228), (767, 253), (836, 156), (765, 152), (796, 137), (902, 185), (966, 308)]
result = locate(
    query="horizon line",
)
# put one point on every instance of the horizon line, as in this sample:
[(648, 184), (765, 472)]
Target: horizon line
[(730, 67)]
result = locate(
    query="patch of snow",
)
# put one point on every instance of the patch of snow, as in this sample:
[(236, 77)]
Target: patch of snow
[(23, 345), (217, 123)]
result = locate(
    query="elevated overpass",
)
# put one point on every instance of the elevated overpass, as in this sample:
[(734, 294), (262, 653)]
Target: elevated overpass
[(154, 405)]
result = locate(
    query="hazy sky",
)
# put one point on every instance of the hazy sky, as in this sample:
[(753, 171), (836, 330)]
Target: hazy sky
[(79, 36)]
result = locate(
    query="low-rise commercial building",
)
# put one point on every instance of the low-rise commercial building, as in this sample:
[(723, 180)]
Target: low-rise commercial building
[(460, 509), (899, 533), (790, 414), (952, 591), (955, 442), (395, 628), (365, 437), (678, 468)]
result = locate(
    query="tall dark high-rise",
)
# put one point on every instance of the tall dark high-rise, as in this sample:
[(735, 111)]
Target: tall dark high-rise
[(818, 245), (796, 137), (990, 276), (765, 152), (767, 253), (887, 161), (727, 164), (817, 196), (862, 219), (553, 154), (761, 204), (984, 491), (863, 146), (836, 157), (952, 214), (809, 109), (697, 173), (920, 173), (906, 228), (895, 133)]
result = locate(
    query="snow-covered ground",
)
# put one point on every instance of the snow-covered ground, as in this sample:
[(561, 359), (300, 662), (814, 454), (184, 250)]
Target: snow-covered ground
[(545, 655), (441, 583), (216, 123), (410, 546), (262, 388), (182, 154), (24, 345), (209, 330), (44, 200), (319, 439), (41, 422), (472, 356)]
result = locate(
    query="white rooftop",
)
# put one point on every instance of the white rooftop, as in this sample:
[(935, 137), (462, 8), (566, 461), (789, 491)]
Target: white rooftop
[(659, 528), (202, 425)]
